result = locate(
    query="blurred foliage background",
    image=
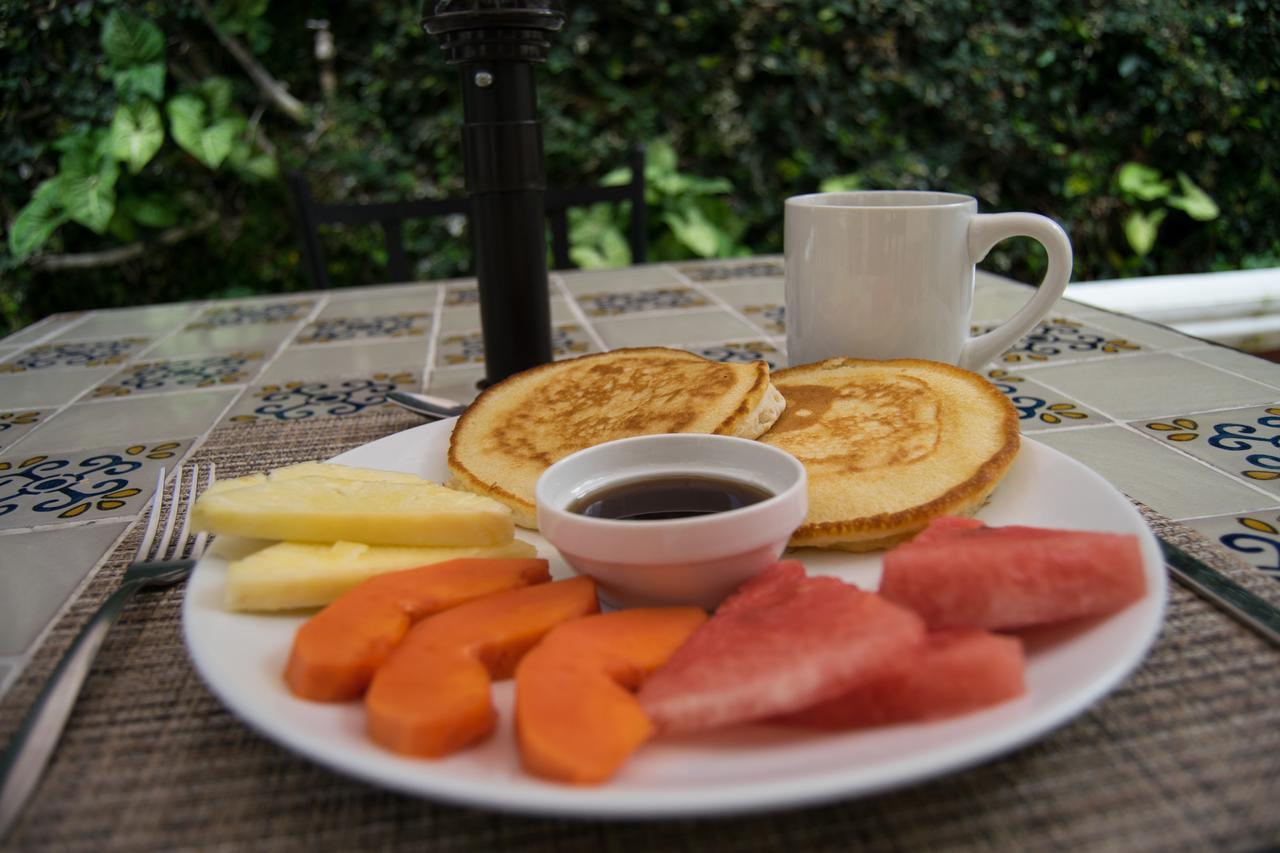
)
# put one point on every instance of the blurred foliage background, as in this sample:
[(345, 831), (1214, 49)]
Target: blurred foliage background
[(142, 143)]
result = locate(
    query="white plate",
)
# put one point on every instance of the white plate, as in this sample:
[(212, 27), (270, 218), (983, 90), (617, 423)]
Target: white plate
[(749, 768)]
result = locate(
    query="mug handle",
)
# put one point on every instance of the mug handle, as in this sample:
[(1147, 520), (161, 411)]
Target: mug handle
[(987, 229)]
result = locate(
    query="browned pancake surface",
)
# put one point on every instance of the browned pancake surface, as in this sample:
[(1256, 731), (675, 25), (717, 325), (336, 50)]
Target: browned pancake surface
[(888, 445)]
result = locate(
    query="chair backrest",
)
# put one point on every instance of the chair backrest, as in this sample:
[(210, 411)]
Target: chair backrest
[(391, 216)]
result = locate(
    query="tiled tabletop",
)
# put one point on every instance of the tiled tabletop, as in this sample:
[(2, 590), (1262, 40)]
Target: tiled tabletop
[(92, 404)]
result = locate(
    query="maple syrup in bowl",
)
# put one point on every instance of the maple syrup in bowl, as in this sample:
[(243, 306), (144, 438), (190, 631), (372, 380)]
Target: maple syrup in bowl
[(672, 519), (668, 496)]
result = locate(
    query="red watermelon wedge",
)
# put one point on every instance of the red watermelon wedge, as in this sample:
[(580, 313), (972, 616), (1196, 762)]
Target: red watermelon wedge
[(1013, 577), (783, 642), (955, 672), (947, 527)]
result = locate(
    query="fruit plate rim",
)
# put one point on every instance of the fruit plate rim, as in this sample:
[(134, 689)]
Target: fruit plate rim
[(240, 657)]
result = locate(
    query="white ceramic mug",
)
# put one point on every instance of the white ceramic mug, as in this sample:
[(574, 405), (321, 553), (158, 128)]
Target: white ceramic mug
[(890, 275)]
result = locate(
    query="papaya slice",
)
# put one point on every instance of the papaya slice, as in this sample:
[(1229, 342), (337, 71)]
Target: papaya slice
[(576, 718), (336, 652), (431, 696)]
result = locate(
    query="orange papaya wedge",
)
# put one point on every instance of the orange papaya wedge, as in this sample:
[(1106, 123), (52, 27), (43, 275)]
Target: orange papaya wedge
[(431, 696), (576, 718), (336, 652)]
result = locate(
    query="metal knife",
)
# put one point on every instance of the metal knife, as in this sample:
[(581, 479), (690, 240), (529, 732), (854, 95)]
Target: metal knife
[(426, 405), (1226, 594)]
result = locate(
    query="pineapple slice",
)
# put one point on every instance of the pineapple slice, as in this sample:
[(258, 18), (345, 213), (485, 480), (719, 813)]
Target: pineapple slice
[(313, 503), (312, 469), (291, 575)]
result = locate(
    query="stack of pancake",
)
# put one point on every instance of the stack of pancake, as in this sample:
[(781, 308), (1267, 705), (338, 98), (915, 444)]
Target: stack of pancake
[(888, 445)]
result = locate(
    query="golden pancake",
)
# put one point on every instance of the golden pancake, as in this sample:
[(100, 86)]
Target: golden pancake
[(889, 445), (520, 426)]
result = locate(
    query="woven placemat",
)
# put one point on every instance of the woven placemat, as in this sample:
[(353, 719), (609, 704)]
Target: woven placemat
[(1185, 755)]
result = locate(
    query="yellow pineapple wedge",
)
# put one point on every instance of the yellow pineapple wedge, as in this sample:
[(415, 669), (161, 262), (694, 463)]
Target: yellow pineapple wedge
[(293, 575), (319, 502), (312, 469)]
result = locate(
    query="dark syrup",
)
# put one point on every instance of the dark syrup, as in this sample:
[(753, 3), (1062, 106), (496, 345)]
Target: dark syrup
[(668, 496)]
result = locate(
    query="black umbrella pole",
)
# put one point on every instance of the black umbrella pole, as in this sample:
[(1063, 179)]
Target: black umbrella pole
[(506, 179)]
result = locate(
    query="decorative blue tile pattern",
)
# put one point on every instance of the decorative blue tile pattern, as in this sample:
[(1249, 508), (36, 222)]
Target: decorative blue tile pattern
[(771, 318), (661, 299), (743, 353), (52, 487), (458, 296), (718, 272), (567, 339), (74, 354), (466, 348), (1253, 537), (1244, 442), (1040, 407), (1257, 537), (14, 425), (293, 401), (251, 314), (332, 329), (230, 369), (1059, 339)]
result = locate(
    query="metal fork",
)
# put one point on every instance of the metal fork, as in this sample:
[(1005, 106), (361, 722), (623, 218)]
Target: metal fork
[(160, 561)]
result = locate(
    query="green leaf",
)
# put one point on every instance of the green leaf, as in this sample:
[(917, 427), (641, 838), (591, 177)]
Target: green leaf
[(619, 177), (186, 120), (841, 183), (707, 186), (587, 257), (145, 80), (210, 144), (1194, 201), (136, 134), (695, 231), (37, 220), (153, 211), (596, 236), (1140, 229), (90, 197), (261, 166), (1077, 184), (131, 40), (616, 249), (1142, 182), (217, 140), (75, 140), (610, 250), (217, 94), (122, 227), (251, 164), (660, 159), (671, 183)]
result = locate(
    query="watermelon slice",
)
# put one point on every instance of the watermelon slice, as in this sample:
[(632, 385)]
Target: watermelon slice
[(1012, 577), (783, 642), (955, 672), (947, 527)]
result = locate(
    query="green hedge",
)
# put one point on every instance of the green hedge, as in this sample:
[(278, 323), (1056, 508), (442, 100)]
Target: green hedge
[(1149, 129)]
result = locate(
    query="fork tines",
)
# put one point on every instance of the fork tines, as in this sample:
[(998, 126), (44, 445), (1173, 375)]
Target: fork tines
[(188, 482)]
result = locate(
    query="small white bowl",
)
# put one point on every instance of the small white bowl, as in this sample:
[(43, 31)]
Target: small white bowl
[(695, 560)]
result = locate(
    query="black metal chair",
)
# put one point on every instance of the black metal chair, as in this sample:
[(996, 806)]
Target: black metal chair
[(391, 216)]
